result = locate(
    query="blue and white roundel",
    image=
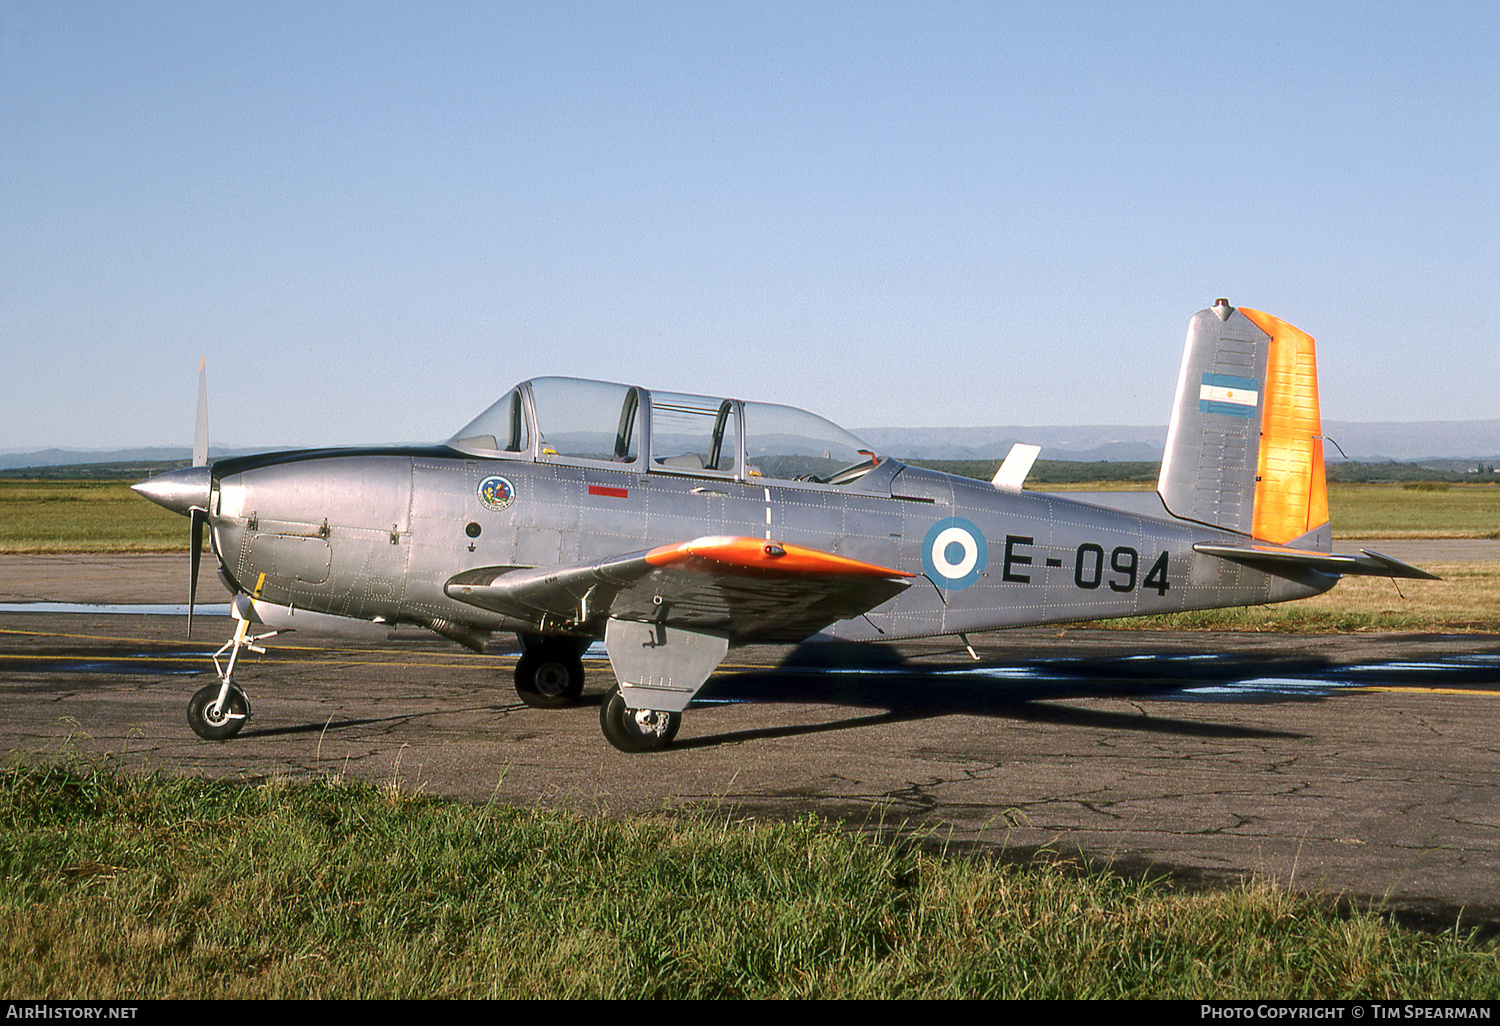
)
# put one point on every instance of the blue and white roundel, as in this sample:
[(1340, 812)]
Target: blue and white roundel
[(954, 553)]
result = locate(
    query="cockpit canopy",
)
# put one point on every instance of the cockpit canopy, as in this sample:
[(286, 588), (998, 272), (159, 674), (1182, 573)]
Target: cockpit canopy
[(574, 421)]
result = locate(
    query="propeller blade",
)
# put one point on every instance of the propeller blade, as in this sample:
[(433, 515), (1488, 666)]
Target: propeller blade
[(200, 433), (196, 519)]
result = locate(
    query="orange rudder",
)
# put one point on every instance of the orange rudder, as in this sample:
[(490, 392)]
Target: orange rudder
[(1291, 490)]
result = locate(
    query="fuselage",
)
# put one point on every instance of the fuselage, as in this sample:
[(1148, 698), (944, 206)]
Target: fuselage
[(376, 534)]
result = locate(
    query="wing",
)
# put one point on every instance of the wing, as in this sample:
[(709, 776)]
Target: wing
[(748, 588)]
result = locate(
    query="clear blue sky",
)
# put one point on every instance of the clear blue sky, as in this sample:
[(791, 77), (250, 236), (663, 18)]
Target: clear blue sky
[(374, 218)]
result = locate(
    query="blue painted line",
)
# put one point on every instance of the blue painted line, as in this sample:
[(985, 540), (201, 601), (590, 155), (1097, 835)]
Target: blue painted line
[(1231, 381), (1230, 409)]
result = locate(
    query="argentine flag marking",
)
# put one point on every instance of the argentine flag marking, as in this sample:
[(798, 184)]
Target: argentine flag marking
[(1225, 393)]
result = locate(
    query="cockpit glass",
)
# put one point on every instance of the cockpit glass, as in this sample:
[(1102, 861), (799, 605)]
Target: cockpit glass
[(599, 420), (694, 432), (501, 428), (591, 420), (794, 445)]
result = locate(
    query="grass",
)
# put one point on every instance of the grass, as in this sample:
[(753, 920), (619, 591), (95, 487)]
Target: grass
[(1055, 475), (85, 516), (1397, 511), (1413, 510), (140, 887), (1467, 599)]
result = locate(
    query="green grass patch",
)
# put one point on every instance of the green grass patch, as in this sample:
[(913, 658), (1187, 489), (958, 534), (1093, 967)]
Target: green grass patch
[(1048, 475), (85, 516), (1466, 600), (1425, 510), (1412, 510), (115, 886)]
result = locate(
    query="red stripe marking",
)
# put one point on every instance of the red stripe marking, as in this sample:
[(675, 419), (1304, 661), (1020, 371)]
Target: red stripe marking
[(613, 493)]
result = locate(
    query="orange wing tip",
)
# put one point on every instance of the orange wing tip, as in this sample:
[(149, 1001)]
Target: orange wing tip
[(761, 554)]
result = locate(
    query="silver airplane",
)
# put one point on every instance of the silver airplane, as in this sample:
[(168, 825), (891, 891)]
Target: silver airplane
[(674, 526)]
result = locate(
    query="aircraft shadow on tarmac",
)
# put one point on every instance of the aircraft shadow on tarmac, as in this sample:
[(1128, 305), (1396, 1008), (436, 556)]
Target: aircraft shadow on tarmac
[(888, 687), (876, 677)]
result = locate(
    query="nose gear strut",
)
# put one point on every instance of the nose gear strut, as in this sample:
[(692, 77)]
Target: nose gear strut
[(218, 711)]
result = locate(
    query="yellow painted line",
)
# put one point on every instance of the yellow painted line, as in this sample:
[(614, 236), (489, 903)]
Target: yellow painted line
[(500, 664), (204, 661), (23, 657), (284, 647), (89, 637), (1432, 691), (275, 645), (347, 664)]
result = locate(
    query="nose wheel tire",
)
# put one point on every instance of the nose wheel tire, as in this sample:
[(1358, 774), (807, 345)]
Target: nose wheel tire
[(213, 723), (549, 679), (636, 730)]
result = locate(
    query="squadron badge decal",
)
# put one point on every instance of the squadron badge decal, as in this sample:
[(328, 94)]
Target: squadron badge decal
[(496, 493)]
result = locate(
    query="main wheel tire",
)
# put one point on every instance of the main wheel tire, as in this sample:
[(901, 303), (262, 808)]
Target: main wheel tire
[(639, 730), (549, 677), (228, 721)]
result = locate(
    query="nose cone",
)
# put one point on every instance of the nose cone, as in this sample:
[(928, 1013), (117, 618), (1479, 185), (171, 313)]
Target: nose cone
[(179, 491)]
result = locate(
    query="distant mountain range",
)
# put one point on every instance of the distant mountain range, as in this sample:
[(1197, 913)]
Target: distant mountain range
[(1372, 443), (1368, 442), (13, 459)]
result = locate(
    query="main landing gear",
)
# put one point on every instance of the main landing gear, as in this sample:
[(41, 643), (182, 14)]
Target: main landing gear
[(549, 674), (636, 730)]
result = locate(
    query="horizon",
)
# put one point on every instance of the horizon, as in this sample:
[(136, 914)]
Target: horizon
[(953, 437)]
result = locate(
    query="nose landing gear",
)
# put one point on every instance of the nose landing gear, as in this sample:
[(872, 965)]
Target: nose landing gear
[(218, 719), (219, 711)]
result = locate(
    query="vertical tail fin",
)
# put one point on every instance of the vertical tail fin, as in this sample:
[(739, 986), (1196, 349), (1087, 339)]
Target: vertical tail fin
[(1245, 446)]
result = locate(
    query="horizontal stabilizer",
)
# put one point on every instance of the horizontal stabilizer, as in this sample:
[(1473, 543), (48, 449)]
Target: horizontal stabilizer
[(1271, 558)]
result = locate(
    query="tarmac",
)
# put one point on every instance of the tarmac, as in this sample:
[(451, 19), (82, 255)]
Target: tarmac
[(1364, 765)]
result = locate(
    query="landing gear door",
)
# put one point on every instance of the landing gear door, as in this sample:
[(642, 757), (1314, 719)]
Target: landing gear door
[(661, 667)]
